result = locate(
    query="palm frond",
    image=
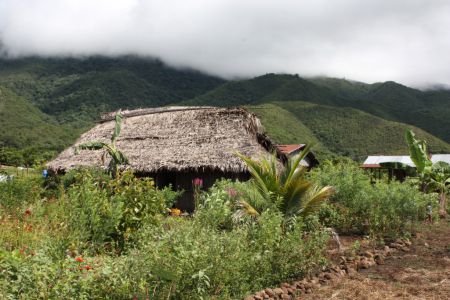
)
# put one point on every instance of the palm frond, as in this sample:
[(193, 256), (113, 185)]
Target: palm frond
[(314, 199), (287, 189)]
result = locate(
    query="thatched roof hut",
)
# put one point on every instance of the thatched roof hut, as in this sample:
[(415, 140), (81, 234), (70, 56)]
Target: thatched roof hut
[(176, 144)]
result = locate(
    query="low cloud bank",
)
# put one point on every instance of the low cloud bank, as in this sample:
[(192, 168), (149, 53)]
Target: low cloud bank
[(374, 40)]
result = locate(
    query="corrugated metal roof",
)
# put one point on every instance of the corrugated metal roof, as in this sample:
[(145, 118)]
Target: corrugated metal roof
[(440, 157), (374, 161)]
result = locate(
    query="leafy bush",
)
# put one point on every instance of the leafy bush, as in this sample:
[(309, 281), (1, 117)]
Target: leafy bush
[(381, 209), (20, 191), (64, 247), (92, 215), (113, 210)]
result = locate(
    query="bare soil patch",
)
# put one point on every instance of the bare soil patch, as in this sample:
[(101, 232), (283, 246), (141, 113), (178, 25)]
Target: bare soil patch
[(423, 272)]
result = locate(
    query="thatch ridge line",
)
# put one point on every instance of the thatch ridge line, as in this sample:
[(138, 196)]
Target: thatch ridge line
[(109, 116)]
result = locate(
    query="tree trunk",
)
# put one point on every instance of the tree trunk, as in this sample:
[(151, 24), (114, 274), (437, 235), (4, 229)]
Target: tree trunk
[(442, 205)]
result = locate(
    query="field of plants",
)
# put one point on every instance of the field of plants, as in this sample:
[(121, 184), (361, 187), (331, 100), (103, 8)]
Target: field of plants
[(86, 235)]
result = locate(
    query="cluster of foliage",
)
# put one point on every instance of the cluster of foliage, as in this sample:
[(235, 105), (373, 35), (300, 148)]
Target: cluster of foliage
[(102, 237), (91, 236), (287, 189), (383, 209), (431, 176), (117, 158), (27, 157)]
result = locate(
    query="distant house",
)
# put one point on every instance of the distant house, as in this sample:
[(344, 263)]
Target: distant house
[(309, 161), (174, 145), (375, 163)]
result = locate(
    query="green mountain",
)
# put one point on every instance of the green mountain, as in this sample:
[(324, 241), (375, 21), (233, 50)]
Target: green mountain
[(76, 91), (27, 133), (342, 131), (429, 110), (47, 102)]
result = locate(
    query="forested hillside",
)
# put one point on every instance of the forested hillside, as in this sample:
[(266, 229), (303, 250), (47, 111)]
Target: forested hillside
[(76, 91), (47, 102), (429, 110), (28, 134), (342, 131)]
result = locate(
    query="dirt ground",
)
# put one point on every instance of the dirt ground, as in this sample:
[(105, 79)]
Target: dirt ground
[(421, 273)]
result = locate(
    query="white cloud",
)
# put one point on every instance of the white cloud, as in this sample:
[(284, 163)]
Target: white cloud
[(371, 40)]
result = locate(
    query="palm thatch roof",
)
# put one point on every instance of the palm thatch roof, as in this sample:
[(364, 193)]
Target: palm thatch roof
[(176, 139)]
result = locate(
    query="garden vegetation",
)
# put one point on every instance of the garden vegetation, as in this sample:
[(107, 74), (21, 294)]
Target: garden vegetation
[(89, 236)]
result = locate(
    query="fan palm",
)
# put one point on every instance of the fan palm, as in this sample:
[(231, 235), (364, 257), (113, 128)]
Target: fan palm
[(117, 157), (287, 188)]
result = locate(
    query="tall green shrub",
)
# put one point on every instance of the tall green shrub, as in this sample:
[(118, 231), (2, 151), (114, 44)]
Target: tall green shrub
[(381, 209)]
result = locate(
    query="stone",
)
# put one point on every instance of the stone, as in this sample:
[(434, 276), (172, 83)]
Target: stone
[(335, 269), (363, 264), (285, 290), (290, 290), (395, 245), (260, 294), (249, 298), (368, 254), (379, 259), (278, 291), (286, 297), (404, 248), (256, 297), (269, 292), (352, 272)]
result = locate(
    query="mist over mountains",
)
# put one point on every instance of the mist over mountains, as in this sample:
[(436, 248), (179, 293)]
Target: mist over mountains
[(372, 40)]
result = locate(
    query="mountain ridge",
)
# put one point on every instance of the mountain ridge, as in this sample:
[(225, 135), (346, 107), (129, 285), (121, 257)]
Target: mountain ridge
[(70, 94)]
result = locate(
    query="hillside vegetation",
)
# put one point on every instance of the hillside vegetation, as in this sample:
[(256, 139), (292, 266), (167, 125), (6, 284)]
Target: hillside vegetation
[(74, 90), (48, 102), (24, 127), (429, 110), (342, 131)]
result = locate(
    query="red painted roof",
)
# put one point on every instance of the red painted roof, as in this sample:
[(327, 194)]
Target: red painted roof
[(287, 149), (371, 166)]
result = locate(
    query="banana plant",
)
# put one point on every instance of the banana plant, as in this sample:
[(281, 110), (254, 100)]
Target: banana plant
[(285, 188), (117, 157), (431, 177), (440, 181)]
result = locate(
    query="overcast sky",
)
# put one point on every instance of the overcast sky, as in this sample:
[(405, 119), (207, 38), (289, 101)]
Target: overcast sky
[(367, 40)]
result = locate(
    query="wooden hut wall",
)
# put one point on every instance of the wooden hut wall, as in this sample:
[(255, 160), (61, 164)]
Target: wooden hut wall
[(183, 181)]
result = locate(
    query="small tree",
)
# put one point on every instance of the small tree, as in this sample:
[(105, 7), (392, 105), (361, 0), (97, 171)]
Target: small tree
[(117, 157), (435, 177), (286, 187)]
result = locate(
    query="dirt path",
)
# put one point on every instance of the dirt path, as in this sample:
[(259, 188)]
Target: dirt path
[(421, 273)]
